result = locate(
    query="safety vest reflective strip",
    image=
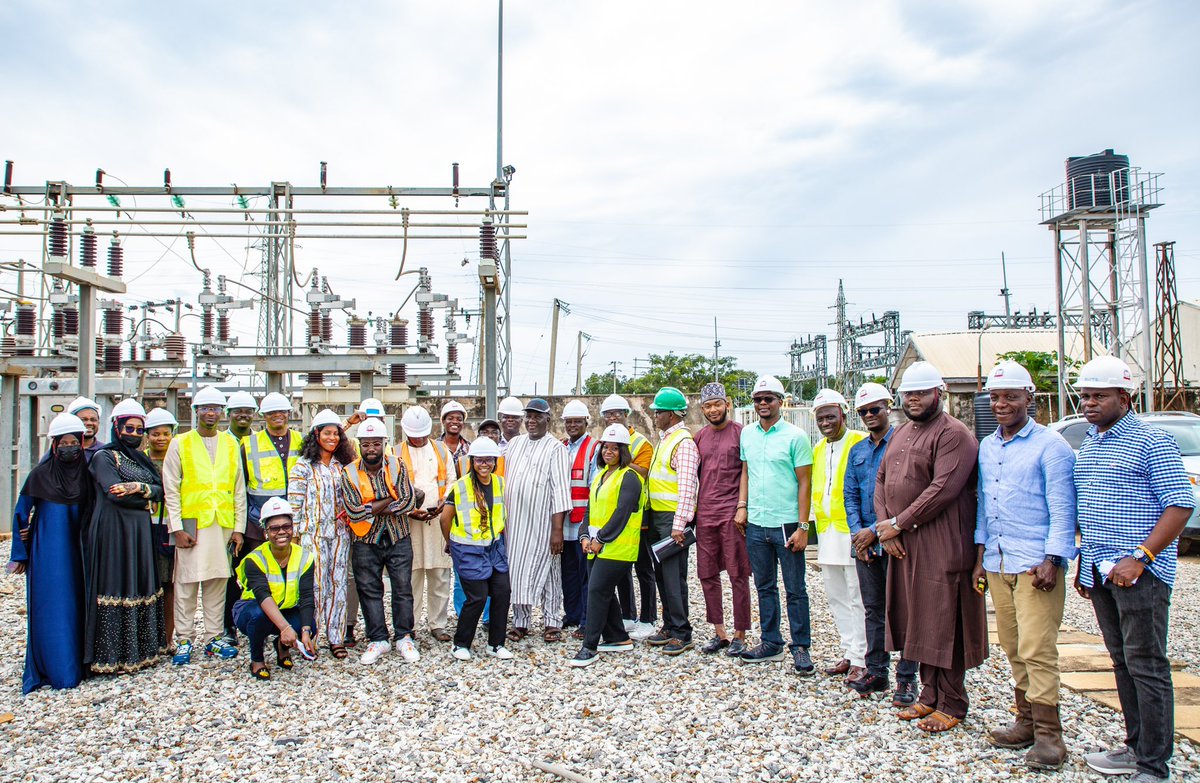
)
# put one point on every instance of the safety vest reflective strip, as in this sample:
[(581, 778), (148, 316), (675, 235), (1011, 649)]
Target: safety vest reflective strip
[(603, 498), (267, 476), (285, 588), (468, 526), (820, 477), (664, 480), (579, 482), (367, 490), (443, 457), (464, 466), (206, 491)]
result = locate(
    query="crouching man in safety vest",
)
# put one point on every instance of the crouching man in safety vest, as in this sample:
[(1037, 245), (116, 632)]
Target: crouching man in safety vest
[(377, 495), (277, 593)]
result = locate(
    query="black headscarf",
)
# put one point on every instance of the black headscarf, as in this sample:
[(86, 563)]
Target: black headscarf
[(58, 482), (134, 455)]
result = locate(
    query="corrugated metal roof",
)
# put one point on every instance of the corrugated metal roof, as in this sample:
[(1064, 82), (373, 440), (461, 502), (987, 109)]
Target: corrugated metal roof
[(959, 354)]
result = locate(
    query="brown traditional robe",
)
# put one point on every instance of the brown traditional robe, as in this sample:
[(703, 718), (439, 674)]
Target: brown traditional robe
[(927, 482)]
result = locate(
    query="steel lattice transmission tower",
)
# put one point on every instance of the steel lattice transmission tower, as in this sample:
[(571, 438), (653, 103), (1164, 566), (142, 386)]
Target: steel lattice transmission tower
[(1168, 352)]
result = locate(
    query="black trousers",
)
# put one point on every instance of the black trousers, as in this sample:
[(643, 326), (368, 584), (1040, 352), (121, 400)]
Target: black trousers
[(872, 583), (671, 578), (646, 611), (478, 592), (370, 561), (604, 619), (574, 584)]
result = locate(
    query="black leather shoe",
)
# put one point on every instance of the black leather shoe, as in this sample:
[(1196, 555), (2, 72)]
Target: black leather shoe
[(658, 638), (763, 653), (868, 684), (905, 695), (714, 645)]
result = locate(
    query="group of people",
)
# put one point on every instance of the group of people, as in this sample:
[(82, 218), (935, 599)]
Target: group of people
[(283, 537)]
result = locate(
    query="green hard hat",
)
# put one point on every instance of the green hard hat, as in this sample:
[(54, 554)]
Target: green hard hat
[(669, 399)]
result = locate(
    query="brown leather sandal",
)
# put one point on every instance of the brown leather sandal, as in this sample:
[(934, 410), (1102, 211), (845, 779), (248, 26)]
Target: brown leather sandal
[(916, 711), (938, 722), (517, 634), (552, 635)]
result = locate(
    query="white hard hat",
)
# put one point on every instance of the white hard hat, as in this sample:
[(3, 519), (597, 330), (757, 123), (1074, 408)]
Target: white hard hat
[(576, 409), (511, 406), (371, 407), (324, 418), (484, 447), (128, 407), (81, 404), (1105, 372), (452, 407), (209, 395), (921, 376), (275, 507), (273, 403), (160, 417), (241, 399), (615, 402), (66, 424), (829, 397), (615, 433), (768, 383), (871, 392), (372, 428), (416, 422), (1009, 375)]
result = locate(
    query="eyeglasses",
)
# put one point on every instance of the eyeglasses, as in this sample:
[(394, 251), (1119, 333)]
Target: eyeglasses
[(872, 411), (129, 429), (209, 408), (280, 529)]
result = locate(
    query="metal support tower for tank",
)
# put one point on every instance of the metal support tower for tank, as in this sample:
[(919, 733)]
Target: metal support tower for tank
[(1168, 349)]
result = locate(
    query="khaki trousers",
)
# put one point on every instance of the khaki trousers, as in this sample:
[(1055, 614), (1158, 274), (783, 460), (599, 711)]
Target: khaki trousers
[(213, 601), (432, 584), (1027, 621)]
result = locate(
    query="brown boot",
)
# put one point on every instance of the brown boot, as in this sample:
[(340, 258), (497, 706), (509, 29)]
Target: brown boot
[(1048, 751), (1020, 733)]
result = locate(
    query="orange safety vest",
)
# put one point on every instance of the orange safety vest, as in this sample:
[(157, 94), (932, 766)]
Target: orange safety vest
[(367, 490), (443, 457), (579, 483)]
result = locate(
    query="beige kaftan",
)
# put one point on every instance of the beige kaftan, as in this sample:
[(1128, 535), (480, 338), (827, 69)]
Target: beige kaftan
[(209, 558)]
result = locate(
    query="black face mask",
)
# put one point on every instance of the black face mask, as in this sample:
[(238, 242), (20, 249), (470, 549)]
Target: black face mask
[(69, 454), (132, 441)]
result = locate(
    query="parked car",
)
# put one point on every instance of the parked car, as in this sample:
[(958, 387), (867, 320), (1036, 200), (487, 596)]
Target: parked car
[(1186, 429)]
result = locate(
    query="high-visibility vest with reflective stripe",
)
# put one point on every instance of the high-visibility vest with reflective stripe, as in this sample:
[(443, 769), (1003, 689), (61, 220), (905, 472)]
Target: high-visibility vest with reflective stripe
[(267, 476), (443, 458), (663, 480), (206, 490), (579, 482), (602, 503), (469, 526), (464, 466), (366, 489), (636, 441), (285, 588), (820, 477)]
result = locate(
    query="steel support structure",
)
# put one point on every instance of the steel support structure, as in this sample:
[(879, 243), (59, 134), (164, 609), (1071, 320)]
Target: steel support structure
[(1168, 350), (818, 370)]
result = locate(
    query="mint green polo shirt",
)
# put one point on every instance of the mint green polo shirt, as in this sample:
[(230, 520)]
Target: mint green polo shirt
[(771, 458)]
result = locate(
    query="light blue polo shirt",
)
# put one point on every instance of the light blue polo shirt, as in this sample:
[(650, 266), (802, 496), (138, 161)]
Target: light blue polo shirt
[(771, 458)]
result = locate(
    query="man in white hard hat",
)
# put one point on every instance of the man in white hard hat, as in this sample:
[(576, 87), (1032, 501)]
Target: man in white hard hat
[(581, 452), (454, 418), (640, 618), (512, 415), (377, 496), (1025, 536), (835, 554), (206, 503), (432, 472), (925, 504), (1134, 499), (242, 408), (773, 506), (268, 457), (88, 412), (873, 401)]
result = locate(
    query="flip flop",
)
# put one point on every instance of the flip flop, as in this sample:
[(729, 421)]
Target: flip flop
[(338, 651), (938, 722), (282, 657), (262, 674), (916, 711), (517, 634), (552, 635)]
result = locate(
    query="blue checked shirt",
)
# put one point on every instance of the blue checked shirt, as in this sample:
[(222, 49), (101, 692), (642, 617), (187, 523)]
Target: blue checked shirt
[(858, 489), (1126, 477), (1026, 508)]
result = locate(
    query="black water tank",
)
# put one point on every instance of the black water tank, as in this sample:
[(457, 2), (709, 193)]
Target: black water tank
[(985, 420), (1089, 183)]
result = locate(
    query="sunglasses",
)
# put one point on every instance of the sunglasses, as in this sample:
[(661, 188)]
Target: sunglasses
[(870, 411), (280, 529), (129, 429), (765, 398)]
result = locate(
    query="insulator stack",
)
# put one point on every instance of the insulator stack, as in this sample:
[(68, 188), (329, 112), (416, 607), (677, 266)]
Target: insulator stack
[(398, 371), (425, 324), (488, 249), (71, 320), (451, 356), (327, 328), (206, 327), (8, 345), (223, 327), (314, 339), (146, 353), (114, 324), (87, 247), (58, 324), (116, 259), (357, 338), (58, 237), (26, 328), (175, 346)]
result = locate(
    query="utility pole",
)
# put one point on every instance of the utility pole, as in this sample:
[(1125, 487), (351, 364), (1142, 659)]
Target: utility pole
[(580, 337), (566, 308), (1005, 292), (716, 348), (614, 364)]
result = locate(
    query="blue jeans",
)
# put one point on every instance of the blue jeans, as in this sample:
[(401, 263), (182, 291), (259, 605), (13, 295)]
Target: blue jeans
[(249, 618), (765, 546)]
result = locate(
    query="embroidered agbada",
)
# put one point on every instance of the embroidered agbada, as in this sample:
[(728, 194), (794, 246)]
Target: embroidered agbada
[(537, 487)]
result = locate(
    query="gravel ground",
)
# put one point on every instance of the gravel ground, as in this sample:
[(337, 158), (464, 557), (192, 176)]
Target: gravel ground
[(639, 716)]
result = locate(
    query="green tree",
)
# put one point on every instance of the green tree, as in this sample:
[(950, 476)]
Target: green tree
[(687, 372), (1042, 365)]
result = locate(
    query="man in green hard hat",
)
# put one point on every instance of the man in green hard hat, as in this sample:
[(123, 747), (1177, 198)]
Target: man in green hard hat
[(674, 483)]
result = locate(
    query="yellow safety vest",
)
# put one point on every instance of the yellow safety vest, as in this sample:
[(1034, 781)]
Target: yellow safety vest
[(663, 480), (468, 526), (206, 490), (443, 458), (820, 477), (602, 503), (267, 477), (285, 588)]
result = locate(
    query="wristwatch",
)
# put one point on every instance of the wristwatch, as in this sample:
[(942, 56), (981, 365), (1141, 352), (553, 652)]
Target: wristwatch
[(1057, 561), (1142, 556)]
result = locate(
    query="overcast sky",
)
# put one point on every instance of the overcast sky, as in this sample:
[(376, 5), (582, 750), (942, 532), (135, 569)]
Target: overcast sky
[(679, 160)]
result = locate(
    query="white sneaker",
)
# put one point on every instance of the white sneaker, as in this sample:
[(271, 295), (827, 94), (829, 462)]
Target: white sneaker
[(630, 625), (407, 650), (375, 651), (642, 631), (500, 652), (462, 653)]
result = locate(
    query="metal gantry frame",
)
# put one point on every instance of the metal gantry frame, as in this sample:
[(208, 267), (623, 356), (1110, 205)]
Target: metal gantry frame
[(1169, 393), (818, 346)]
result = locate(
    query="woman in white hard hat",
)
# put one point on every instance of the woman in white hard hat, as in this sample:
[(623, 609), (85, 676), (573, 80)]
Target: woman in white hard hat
[(125, 627), (315, 494), (47, 525), (610, 536), (472, 521), (454, 417), (160, 428)]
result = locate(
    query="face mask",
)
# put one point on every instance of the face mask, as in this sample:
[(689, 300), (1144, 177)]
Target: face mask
[(132, 441), (69, 454)]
